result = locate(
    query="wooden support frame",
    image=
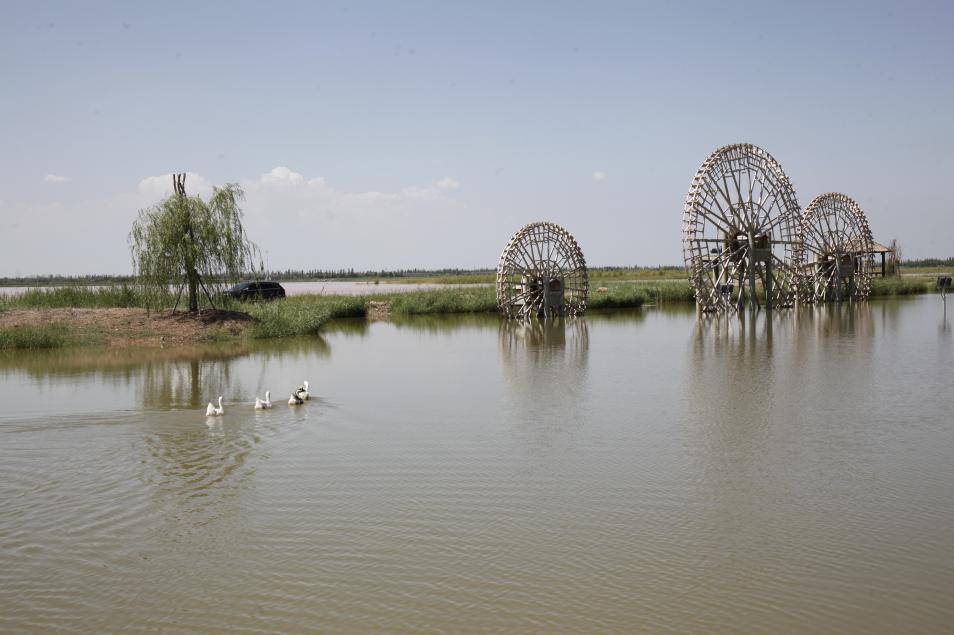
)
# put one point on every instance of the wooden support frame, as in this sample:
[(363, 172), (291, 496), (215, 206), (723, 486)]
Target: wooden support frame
[(740, 231), (542, 273), (835, 259)]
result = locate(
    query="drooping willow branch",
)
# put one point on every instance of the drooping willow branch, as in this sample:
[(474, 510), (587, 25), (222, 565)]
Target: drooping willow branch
[(187, 241)]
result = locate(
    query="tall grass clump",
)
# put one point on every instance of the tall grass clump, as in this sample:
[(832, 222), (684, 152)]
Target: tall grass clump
[(33, 337), (632, 295), (301, 315), (883, 287), (668, 292), (604, 275), (462, 278), (122, 296), (458, 300), (618, 296)]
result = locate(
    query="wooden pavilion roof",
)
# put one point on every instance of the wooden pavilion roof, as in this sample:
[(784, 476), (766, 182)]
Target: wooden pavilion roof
[(877, 248)]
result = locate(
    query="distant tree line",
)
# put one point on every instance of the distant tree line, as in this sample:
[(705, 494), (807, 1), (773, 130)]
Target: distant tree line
[(351, 273), (61, 280), (308, 274), (929, 262)]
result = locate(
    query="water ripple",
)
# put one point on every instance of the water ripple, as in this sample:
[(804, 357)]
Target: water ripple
[(659, 478)]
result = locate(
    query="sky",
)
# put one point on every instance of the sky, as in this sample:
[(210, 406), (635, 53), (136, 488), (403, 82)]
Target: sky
[(386, 135)]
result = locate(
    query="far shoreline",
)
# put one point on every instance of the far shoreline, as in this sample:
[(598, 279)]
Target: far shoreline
[(116, 317)]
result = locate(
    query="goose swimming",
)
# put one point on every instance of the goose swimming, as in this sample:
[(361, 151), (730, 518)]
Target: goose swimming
[(295, 399), (303, 390), (266, 404), (212, 411)]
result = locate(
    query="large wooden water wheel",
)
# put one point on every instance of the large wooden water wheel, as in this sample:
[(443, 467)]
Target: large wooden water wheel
[(542, 273), (835, 256), (740, 231)]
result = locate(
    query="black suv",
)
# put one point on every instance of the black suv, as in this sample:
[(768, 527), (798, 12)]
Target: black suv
[(256, 291)]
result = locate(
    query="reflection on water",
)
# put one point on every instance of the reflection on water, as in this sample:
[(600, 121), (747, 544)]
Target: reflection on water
[(745, 330), (633, 471), (796, 423), (183, 377), (446, 324), (543, 338), (348, 326), (545, 382), (842, 320)]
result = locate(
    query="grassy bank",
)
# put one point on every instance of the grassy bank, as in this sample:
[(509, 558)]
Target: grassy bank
[(442, 301), (618, 295), (484, 299), (24, 337), (56, 335), (299, 315), (118, 296), (886, 287), (306, 314)]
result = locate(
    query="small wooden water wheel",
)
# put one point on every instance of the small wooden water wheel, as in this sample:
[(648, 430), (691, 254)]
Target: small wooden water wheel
[(740, 231), (835, 257), (542, 273)]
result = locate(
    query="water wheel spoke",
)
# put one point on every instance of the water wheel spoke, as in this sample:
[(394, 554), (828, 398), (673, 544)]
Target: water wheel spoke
[(740, 198), (835, 231), (537, 256)]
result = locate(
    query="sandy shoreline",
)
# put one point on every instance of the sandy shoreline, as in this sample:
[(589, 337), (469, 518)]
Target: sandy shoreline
[(133, 327)]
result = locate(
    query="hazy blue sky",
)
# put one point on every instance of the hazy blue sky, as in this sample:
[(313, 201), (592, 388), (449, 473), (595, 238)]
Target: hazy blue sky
[(400, 134)]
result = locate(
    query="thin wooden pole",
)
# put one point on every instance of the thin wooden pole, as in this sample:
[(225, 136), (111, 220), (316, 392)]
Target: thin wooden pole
[(178, 297)]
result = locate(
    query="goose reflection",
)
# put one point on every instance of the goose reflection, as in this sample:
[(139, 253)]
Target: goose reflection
[(204, 475), (152, 379)]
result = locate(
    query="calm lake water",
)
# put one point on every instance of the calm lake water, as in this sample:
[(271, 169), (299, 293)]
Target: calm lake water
[(636, 471)]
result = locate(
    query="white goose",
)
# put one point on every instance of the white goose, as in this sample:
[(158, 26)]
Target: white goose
[(212, 411), (303, 390), (295, 399), (264, 405)]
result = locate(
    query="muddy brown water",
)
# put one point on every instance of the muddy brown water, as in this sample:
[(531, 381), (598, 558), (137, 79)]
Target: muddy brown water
[(636, 471)]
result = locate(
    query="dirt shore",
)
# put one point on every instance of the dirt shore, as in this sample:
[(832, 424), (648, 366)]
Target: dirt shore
[(134, 327), (379, 310)]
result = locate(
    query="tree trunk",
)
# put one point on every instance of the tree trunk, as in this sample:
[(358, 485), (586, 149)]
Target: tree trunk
[(192, 276), (193, 289)]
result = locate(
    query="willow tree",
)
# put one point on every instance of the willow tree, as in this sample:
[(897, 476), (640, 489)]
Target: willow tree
[(187, 242)]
